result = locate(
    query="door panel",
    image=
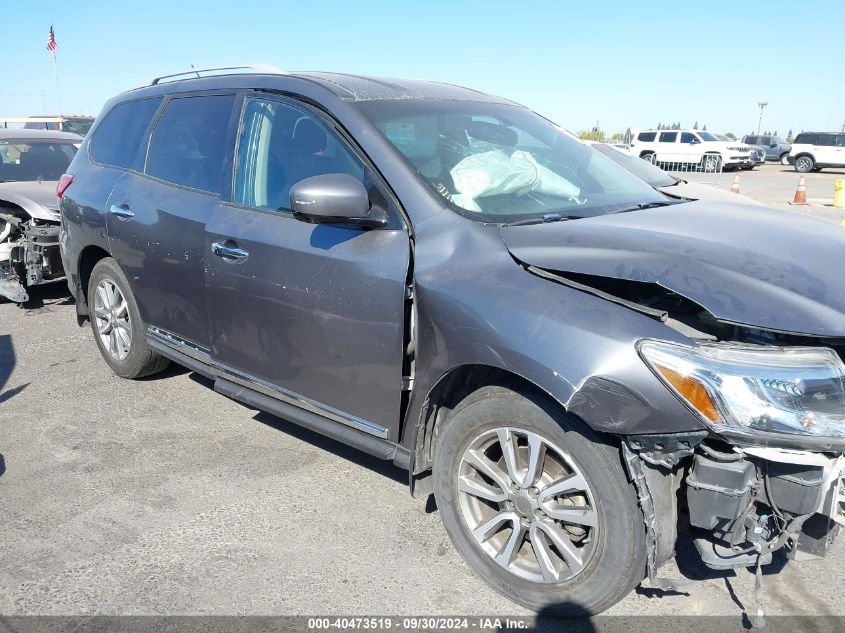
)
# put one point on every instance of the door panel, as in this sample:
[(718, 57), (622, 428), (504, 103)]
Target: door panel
[(156, 226), (161, 250), (314, 310)]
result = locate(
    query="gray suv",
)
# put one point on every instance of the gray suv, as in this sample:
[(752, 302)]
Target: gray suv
[(573, 363), (774, 146)]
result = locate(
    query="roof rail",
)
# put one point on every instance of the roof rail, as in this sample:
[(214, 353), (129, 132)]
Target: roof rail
[(264, 69)]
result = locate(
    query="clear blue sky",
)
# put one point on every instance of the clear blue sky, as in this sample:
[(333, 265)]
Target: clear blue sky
[(624, 63)]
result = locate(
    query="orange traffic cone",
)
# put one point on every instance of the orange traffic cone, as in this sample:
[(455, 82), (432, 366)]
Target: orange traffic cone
[(735, 185), (800, 193)]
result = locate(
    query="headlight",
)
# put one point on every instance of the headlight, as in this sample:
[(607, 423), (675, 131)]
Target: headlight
[(799, 391)]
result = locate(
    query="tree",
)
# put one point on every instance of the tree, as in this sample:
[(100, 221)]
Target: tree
[(617, 136), (595, 134), (705, 127), (730, 135), (789, 137), (695, 127)]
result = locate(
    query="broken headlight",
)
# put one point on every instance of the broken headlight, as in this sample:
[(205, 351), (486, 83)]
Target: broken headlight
[(746, 390)]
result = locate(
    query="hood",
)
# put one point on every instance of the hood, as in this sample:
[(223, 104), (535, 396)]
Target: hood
[(708, 193), (764, 268), (38, 198)]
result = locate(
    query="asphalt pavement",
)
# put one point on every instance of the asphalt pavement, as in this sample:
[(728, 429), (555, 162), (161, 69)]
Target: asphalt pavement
[(160, 496)]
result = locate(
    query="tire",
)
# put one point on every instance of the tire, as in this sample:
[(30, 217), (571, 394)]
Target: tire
[(784, 158), (649, 157), (612, 552), (804, 164), (711, 163), (115, 318)]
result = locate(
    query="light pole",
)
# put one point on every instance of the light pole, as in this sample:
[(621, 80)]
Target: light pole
[(762, 105)]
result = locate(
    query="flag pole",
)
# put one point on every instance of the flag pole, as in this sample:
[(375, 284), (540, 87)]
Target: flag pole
[(58, 84)]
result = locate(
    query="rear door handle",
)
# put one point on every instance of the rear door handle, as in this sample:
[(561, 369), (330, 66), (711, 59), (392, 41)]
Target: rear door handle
[(121, 211), (228, 251)]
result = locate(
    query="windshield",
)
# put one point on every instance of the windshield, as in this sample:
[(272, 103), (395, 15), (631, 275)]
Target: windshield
[(27, 160), (503, 163), (707, 136), (643, 170)]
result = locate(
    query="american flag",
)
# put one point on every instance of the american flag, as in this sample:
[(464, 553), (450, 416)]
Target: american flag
[(52, 45)]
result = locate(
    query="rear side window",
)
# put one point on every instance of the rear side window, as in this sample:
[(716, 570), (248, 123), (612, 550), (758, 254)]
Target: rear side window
[(647, 137), (806, 139), (751, 140), (668, 137), (825, 140), (840, 140), (188, 144), (115, 141)]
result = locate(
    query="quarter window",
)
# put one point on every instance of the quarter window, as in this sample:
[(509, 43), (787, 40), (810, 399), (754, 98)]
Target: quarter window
[(647, 137), (189, 142), (281, 144), (668, 137), (117, 138)]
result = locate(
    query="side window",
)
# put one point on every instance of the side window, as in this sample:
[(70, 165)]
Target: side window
[(751, 140), (668, 137), (647, 137), (825, 140), (189, 142), (115, 141), (281, 144), (840, 140), (806, 139), (688, 137)]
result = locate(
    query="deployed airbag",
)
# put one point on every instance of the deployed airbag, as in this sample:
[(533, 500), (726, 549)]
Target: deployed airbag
[(495, 173)]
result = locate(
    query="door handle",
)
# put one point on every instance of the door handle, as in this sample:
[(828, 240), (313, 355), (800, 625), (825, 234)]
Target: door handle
[(122, 212), (229, 253)]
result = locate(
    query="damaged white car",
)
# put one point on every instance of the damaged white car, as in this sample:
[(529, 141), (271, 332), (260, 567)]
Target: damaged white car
[(31, 163)]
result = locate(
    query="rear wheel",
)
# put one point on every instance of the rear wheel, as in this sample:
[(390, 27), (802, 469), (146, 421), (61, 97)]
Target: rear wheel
[(116, 323), (804, 164), (784, 158), (538, 505)]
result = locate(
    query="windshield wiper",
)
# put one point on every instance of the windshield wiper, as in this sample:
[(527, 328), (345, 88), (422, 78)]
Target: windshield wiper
[(544, 219), (647, 205)]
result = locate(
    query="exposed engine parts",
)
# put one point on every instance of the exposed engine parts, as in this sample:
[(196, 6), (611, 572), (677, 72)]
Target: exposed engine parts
[(29, 253)]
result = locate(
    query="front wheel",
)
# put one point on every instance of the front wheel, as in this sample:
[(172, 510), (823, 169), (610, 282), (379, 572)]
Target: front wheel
[(117, 325), (711, 163), (538, 504), (804, 164)]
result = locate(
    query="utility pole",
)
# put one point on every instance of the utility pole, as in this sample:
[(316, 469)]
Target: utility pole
[(762, 105)]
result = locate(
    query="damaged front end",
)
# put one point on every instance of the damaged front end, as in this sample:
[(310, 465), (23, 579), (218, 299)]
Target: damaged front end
[(766, 471), (29, 252)]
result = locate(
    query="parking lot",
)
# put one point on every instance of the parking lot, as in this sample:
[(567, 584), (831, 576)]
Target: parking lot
[(160, 496), (774, 185)]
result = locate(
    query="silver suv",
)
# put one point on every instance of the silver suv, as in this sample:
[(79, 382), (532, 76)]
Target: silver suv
[(775, 147)]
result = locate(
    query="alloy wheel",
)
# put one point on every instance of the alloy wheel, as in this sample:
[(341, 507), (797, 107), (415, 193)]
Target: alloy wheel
[(803, 164), (114, 325), (527, 505)]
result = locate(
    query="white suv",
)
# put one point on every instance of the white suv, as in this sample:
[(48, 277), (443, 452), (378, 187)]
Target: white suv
[(813, 150), (691, 147)]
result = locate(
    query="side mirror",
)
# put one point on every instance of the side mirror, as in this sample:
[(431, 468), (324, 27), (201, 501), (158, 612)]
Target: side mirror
[(334, 199), (772, 144)]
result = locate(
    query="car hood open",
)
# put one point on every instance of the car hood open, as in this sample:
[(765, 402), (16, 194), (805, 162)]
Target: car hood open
[(759, 267)]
